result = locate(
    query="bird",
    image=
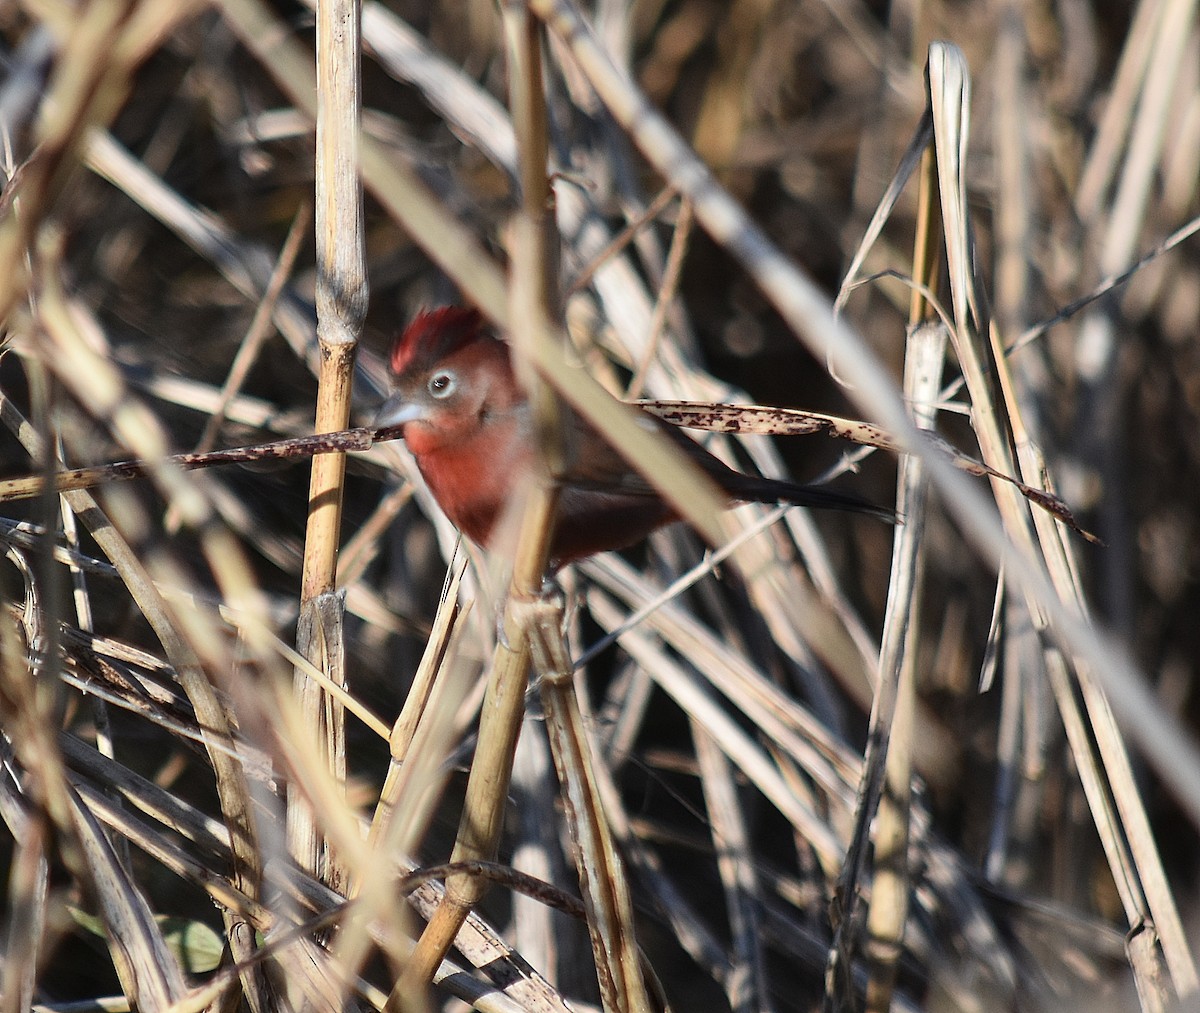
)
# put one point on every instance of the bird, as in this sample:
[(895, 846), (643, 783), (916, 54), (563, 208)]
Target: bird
[(455, 400)]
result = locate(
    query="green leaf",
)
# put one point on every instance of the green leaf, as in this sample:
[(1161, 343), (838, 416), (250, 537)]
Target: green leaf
[(195, 945)]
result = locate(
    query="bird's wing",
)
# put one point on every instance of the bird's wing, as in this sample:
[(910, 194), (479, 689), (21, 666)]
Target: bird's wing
[(596, 466)]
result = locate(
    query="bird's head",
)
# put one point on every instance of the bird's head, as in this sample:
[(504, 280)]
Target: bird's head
[(450, 376)]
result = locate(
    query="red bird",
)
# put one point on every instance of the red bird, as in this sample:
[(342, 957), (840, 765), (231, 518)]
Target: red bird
[(468, 424)]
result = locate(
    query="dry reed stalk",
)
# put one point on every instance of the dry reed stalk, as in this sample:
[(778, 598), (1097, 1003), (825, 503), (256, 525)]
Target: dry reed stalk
[(534, 297), (602, 874), (1148, 975), (341, 308), (752, 694), (84, 91), (886, 793), (139, 952), (187, 637), (535, 279), (893, 727), (958, 258), (421, 735), (747, 984)]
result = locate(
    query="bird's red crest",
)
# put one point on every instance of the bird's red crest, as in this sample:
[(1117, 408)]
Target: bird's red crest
[(434, 335)]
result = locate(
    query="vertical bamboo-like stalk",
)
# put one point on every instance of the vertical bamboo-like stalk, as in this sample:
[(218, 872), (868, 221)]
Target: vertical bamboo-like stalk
[(602, 878), (891, 883), (533, 302), (341, 307), (885, 793)]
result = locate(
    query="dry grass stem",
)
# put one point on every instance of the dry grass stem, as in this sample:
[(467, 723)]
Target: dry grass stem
[(341, 308)]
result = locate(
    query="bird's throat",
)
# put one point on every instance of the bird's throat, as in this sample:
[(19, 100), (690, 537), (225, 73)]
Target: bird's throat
[(475, 480)]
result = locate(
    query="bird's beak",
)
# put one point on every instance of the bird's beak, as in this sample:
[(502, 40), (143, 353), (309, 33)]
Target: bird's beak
[(395, 411)]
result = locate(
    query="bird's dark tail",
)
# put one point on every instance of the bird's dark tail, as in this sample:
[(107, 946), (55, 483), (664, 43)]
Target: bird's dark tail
[(755, 489), (768, 490)]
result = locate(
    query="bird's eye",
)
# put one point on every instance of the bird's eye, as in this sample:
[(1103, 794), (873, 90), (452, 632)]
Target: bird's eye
[(442, 384)]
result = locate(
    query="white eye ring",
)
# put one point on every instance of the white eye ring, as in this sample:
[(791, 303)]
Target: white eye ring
[(442, 384)]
